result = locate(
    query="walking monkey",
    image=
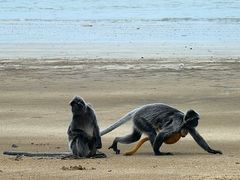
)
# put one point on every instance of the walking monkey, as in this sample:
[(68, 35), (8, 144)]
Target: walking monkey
[(151, 118)]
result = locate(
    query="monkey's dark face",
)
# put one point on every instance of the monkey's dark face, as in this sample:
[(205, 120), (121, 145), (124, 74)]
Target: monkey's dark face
[(191, 119), (78, 106)]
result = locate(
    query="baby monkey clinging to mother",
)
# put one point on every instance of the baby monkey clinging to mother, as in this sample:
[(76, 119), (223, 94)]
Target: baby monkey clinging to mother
[(160, 123)]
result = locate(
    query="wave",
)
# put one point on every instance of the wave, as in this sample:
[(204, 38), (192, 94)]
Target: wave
[(184, 19)]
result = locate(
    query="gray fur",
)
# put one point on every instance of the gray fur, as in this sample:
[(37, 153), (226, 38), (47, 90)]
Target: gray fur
[(119, 122), (151, 118), (83, 132), (83, 135)]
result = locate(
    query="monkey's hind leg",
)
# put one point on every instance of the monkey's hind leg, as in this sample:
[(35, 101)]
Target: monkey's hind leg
[(146, 128), (135, 148), (135, 136)]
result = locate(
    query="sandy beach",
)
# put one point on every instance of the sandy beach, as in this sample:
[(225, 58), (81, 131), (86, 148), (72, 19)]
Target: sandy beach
[(34, 115), (119, 55)]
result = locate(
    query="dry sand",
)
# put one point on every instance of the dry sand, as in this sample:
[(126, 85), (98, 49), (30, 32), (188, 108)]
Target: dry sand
[(34, 115)]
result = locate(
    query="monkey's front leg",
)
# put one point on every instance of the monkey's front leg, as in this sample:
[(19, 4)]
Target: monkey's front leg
[(158, 143), (201, 142)]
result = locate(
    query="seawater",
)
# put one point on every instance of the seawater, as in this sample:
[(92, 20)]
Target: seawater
[(120, 21)]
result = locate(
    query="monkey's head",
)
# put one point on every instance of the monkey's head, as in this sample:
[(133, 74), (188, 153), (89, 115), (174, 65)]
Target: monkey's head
[(78, 106), (191, 119)]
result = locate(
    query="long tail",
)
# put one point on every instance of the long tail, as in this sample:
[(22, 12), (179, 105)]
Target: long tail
[(119, 122), (35, 154)]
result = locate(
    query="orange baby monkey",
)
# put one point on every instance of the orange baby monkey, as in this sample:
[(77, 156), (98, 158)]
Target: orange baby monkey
[(170, 140)]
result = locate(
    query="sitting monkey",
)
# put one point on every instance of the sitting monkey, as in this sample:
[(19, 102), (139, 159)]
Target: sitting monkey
[(83, 132), (83, 135)]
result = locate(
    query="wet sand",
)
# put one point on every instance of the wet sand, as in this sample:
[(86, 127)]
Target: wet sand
[(34, 115)]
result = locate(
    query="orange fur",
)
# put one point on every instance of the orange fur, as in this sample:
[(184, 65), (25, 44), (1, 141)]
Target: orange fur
[(135, 148), (173, 138), (170, 140)]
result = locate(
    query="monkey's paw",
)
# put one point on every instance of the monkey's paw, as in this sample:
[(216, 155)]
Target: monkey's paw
[(114, 147), (215, 152)]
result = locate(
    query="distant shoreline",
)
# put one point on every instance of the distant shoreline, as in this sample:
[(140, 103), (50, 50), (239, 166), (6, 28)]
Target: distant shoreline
[(110, 50)]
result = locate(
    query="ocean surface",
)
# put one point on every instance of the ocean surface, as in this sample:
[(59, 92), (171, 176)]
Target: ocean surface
[(118, 25)]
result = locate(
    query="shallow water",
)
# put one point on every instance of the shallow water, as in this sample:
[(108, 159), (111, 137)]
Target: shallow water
[(120, 21), (213, 22)]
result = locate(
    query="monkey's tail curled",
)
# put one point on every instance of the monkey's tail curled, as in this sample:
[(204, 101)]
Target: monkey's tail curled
[(119, 122), (135, 148)]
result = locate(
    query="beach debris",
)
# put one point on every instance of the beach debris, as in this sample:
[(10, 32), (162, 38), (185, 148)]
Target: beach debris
[(87, 25), (14, 146), (181, 66), (43, 144), (1, 171), (57, 147), (18, 158), (40, 158), (79, 167), (40, 144), (109, 170), (237, 162)]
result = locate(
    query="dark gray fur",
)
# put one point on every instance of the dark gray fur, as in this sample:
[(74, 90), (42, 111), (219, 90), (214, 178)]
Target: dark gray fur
[(150, 118), (83, 135), (83, 132)]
